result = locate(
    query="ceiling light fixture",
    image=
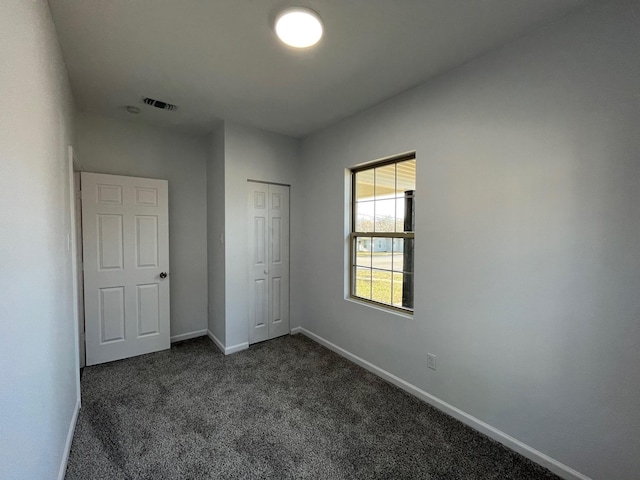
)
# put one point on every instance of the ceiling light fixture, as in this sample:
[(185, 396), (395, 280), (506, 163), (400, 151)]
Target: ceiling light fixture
[(299, 27), (133, 110)]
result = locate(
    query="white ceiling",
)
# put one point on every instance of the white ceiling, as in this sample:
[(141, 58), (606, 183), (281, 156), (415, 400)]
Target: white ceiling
[(220, 59)]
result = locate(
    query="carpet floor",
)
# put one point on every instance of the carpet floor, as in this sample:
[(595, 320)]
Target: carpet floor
[(284, 409)]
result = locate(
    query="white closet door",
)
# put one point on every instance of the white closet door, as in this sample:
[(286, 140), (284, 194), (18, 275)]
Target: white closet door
[(258, 262), (125, 225), (268, 261), (278, 245)]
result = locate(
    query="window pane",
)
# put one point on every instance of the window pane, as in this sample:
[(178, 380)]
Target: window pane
[(398, 254), (385, 215), (397, 289), (382, 255), (386, 181), (363, 282), (363, 252), (364, 185), (364, 216), (381, 286), (400, 214), (406, 176)]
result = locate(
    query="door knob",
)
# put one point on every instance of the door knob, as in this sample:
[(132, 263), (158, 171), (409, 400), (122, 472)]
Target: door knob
[(266, 272), (163, 275)]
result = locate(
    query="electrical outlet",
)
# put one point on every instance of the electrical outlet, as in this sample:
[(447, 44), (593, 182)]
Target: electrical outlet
[(431, 361)]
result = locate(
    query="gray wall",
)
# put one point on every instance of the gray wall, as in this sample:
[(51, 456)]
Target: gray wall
[(127, 148), (215, 233), (39, 374), (253, 154), (527, 239)]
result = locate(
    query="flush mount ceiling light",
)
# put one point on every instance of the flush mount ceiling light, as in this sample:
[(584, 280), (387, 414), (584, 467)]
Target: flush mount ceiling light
[(299, 27)]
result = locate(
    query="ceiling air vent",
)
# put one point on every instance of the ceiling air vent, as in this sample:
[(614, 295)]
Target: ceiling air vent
[(159, 104)]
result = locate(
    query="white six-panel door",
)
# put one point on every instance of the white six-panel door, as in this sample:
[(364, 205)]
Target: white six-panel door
[(268, 261), (125, 225)]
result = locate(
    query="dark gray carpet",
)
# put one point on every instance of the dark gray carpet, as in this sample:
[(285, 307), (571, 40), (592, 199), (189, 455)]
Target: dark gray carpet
[(288, 408)]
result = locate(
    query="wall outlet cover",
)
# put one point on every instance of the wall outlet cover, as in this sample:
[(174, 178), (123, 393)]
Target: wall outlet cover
[(431, 361)]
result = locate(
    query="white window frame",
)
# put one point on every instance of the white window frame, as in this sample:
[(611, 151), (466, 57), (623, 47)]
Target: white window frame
[(354, 235)]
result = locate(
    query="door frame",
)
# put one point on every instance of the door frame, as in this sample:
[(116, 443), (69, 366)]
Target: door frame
[(72, 247)]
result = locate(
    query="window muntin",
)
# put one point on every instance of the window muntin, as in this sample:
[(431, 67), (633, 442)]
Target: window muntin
[(382, 233)]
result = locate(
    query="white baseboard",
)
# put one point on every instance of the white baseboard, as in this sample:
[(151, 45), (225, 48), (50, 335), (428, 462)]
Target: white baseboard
[(236, 348), (215, 340), (560, 469), (67, 444), (227, 350), (187, 336)]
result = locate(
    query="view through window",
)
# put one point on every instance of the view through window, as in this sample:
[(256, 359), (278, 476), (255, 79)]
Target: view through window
[(382, 232)]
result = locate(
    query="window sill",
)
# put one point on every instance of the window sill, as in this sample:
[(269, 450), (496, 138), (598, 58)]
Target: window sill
[(382, 309)]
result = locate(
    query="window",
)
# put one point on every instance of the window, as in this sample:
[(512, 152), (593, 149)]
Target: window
[(382, 226)]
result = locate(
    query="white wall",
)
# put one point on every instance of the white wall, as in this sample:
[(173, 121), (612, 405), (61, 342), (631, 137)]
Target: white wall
[(527, 239), (38, 374), (215, 233), (252, 154), (126, 148)]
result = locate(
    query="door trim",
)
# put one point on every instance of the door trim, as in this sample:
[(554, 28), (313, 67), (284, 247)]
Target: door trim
[(249, 180), (72, 248)]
